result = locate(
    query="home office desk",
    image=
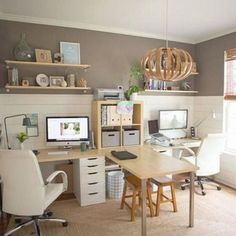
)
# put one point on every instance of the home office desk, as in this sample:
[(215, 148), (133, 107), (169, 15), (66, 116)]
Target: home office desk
[(149, 164)]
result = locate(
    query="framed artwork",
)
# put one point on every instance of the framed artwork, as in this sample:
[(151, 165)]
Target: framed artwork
[(33, 130), (56, 81), (70, 52), (43, 55)]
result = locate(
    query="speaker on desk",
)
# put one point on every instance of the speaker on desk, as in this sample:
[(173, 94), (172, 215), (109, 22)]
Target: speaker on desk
[(192, 131)]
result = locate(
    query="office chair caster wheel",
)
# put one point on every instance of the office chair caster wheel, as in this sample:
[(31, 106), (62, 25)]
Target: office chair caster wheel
[(203, 193), (182, 188), (18, 221), (218, 188), (49, 214), (65, 224)]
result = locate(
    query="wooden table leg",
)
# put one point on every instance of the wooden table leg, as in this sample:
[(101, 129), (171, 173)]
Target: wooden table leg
[(143, 206), (191, 200)]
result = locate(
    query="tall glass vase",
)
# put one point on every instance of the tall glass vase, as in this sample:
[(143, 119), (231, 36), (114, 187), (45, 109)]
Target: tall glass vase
[(22, 51)]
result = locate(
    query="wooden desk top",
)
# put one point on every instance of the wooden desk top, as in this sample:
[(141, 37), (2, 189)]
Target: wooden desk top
[(73, 154), (148, 164)]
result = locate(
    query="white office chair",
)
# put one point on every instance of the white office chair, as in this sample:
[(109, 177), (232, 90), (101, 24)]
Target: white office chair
[(24, 192), (207, 159)]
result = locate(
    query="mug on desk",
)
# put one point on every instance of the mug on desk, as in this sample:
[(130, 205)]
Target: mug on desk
[(83, 147)]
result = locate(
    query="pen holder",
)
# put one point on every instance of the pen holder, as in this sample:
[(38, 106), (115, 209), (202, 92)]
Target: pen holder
[(83, 147)]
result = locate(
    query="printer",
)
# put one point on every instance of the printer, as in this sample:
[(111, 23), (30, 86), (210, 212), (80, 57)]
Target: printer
[(109, 94)]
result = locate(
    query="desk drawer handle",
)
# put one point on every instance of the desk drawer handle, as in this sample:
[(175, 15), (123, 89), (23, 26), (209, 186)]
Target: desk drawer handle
[(92, 165), (92, 183), (93, 158), (111, 135), (93, 193), (93, 173), (131, 133)]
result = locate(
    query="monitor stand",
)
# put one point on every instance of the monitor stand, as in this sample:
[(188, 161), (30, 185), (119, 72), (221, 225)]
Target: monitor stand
[(67, 147)]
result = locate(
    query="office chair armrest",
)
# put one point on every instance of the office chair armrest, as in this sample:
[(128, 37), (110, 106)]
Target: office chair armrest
[(56, 173)]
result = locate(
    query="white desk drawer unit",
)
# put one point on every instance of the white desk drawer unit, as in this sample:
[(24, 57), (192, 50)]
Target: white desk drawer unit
[(89, 180)]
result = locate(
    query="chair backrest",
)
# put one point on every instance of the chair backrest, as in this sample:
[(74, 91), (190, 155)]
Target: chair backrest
[(23, 186), (208, 155)]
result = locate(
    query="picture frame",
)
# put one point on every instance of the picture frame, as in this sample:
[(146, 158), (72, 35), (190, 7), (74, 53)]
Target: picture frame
[(43, 55), (70, 52), (56, 81)]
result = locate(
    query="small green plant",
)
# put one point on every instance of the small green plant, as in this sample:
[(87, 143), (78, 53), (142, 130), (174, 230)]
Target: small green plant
[(132, 89), (22, 136), (135, 74)]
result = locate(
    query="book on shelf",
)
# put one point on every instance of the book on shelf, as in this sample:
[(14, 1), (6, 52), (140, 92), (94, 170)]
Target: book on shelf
[(109, 115)]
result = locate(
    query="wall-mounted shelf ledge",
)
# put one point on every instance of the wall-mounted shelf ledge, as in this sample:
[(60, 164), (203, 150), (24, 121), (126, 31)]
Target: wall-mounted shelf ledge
[(81, 66), (83, 90), (166, 92)]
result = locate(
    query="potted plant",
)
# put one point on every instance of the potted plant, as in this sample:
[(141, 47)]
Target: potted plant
[(135, 74), (22, 136)]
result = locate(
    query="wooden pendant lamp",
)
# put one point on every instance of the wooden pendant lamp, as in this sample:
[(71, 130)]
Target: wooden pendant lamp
[(167, 64)]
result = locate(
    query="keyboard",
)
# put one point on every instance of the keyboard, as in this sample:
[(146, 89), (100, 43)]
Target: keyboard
[(58, 153)]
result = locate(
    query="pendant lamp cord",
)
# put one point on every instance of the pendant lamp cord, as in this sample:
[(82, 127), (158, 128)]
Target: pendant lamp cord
[(166, 23)]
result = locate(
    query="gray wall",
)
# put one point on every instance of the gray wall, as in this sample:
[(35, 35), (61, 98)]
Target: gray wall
[(110, 55), (210, 62)]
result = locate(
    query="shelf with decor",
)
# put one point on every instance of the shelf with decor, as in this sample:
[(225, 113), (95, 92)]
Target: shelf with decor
[(166, 92), (44, 81), (112, 129), (27, 63)]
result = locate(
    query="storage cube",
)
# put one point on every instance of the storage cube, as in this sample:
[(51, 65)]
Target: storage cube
[(131, 137), (110, 138)]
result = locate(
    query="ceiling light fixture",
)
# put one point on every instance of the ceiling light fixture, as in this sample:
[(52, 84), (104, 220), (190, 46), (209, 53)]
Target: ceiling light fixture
[(167, 64)]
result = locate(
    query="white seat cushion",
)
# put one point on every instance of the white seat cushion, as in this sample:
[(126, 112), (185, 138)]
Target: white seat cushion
[(206, 168), (52, 192)]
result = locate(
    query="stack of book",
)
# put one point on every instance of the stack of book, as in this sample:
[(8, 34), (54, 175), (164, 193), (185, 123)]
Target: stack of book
[(153, 84)]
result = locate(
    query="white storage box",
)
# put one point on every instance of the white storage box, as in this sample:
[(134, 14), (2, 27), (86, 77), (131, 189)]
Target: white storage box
[(110, 138), (131, 137), (115, 184)]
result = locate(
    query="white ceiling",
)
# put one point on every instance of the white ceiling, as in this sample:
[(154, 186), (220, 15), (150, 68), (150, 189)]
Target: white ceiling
[(189, 21)]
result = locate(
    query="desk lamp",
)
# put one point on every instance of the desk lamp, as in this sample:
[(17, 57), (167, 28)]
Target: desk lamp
[(25, 122), (194, 127)]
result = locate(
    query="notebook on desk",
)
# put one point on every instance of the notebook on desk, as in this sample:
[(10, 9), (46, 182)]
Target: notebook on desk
[(123, 155)]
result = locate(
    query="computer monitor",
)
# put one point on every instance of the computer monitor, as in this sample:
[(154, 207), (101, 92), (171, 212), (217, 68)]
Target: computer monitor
[(67, 131), (173, 119)]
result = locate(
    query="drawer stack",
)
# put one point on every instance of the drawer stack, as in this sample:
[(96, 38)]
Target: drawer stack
[(89, 180)]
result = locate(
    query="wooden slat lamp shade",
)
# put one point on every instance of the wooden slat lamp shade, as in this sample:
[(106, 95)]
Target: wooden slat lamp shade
[(167, 64), (230, 74)]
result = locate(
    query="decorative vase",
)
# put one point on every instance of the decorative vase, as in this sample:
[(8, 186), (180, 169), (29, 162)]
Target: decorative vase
[(133, 96), (22, 146), (22, 51)]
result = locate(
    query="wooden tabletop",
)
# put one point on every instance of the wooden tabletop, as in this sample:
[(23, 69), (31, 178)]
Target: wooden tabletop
[(148, 164)]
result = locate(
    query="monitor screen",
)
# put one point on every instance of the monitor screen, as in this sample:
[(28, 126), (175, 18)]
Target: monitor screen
[(173, 119), (68, 130)]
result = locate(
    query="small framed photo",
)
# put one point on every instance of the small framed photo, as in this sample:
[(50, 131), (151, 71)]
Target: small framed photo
[(56, 81), (70, 52), (58, 58), (43, 55)]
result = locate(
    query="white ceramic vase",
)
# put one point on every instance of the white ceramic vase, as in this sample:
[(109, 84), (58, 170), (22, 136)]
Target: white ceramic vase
[(134, 96), (22, 146)]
